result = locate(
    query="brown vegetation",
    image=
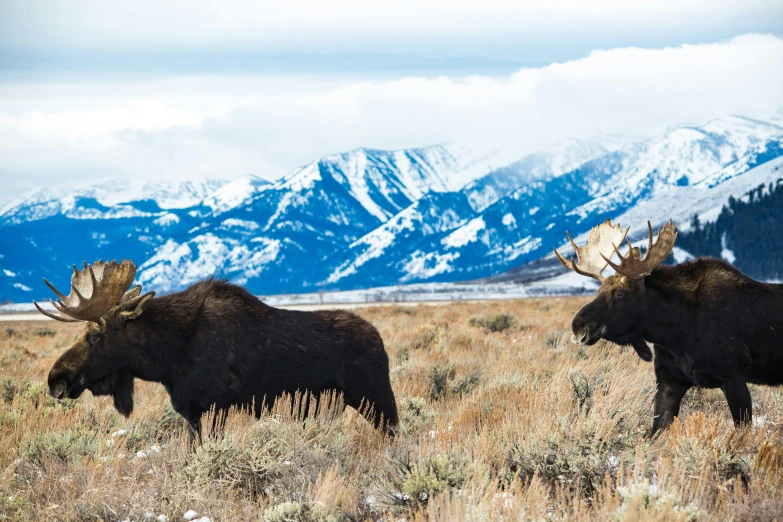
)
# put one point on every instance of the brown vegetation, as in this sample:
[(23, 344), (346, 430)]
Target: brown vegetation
[(501, 419)]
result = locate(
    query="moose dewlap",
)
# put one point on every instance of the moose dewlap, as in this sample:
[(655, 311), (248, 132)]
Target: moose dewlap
[(213, 345)]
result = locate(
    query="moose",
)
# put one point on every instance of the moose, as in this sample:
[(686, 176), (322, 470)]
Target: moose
[(213, 345), (710, 325)]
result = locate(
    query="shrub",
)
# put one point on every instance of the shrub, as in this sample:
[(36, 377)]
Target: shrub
[(228, 464), (44, 332), (9, 390), (414, 414), (168, 425), (438, 474), (494, 323), (67, 447), (285, 512), (444, 379)]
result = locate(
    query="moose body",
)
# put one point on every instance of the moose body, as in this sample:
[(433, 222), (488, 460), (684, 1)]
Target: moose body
[(216, 345), (710, 325)]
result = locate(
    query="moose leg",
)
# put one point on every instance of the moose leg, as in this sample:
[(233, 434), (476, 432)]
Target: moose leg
[(672, 385), (738, 397), (377, 405), (194, 433), (667, 404), (385, 410)]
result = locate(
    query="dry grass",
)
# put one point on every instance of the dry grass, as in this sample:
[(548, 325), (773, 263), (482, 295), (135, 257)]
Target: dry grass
[(502, 420)]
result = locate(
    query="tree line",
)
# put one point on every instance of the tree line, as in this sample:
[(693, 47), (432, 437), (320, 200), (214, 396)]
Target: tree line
[(749, 228)]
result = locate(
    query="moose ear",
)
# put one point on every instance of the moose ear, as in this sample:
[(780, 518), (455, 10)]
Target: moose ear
[(133, 308), (130, 294)]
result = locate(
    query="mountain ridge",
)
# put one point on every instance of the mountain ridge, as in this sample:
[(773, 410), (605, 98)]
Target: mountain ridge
[(370, 217)]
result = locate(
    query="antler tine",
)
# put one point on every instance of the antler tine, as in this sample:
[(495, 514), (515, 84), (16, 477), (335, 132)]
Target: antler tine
[(58, 305), (590, 261), (53, 289), (94, 290), (55, 317), (563, 261), (634, 266)]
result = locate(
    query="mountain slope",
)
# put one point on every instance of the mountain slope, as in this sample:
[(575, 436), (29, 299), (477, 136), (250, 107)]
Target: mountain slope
[(748, 232), (268, 235), (397, 247)]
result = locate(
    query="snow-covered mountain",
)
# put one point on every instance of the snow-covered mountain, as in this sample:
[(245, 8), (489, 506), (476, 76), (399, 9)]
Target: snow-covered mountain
[(110, 200), (371, 217)]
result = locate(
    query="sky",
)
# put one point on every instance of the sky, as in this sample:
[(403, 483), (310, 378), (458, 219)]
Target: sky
[(190, 90)]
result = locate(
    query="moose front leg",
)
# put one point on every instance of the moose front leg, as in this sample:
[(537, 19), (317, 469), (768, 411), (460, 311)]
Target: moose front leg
[(738, 397), (672, 386), (194, 433), (667, 404)]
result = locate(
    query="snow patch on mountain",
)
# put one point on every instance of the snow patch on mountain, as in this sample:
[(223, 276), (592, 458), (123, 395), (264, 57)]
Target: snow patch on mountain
[(465, 234), (239, 223), (423, 266), (236, 193), (167, 220), (680, 255), (180, 264)]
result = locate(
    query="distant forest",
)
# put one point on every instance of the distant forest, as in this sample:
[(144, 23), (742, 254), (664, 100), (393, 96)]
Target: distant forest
[(750, 227)]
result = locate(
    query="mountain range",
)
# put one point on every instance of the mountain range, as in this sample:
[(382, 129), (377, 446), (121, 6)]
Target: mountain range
[(369, 217)]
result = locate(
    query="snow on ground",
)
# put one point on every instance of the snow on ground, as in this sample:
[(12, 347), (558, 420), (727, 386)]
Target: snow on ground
[(726, 253), (568, 283)]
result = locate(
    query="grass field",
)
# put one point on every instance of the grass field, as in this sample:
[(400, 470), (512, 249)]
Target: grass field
[(502, 419)]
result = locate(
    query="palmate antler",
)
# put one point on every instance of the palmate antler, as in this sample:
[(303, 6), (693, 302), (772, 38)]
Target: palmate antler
[(633, 266), (590, 258), (94, 291)]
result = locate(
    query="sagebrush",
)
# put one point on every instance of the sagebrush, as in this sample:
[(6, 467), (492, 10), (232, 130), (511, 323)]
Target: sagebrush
[(499, 421)]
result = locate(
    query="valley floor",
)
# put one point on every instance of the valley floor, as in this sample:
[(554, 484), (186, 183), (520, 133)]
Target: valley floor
[(502, 419)]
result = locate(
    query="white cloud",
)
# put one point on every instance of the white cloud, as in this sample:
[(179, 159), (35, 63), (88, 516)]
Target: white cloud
[(191, 128), (340, 24)]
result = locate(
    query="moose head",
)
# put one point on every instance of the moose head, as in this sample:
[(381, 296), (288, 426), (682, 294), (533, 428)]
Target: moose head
[(95, 362), (620, 310)]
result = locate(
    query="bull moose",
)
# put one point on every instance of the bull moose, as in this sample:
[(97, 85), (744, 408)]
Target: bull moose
[(213, 345), (710, 325)]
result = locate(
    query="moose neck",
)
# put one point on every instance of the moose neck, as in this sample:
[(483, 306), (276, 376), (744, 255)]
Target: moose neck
[(155, 339), (666, 291)]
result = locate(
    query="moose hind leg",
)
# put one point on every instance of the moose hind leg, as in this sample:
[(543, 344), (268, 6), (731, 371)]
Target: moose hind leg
[(376, 404), (738, 397)]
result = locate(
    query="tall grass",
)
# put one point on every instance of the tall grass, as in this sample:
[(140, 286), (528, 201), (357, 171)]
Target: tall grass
[(499, 422)]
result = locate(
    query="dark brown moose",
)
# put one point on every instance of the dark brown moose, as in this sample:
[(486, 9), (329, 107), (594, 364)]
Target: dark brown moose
[(213, 345), (711, 326)]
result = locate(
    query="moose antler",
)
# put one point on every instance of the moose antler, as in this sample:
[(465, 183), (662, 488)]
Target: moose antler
[(94, 291), (633, 266), (590, 260)]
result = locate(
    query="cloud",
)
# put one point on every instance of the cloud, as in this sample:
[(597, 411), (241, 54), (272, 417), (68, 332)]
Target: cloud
[(344, 24), (190, 128)]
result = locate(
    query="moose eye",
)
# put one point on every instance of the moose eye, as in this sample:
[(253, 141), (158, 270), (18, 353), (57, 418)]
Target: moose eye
[(620, 293), (94, 338)]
